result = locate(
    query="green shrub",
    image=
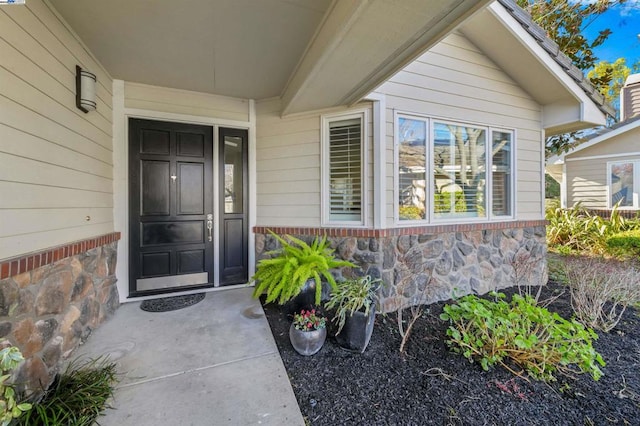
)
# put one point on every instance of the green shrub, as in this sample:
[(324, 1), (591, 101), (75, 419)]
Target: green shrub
[(442, 202), (77, 396), (625, 244), (410, 213), (575, 230), (10, 358), (530, 336), (551, 187)]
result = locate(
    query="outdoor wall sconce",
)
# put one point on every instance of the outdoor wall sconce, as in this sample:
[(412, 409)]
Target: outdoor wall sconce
[(85, 90)]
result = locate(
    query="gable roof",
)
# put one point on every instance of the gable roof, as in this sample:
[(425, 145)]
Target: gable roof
[(507, 35), (597, 137), (551, 47)]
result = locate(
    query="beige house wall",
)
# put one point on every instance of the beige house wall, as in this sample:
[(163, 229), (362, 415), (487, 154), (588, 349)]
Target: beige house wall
[(457, 81), (288, 159), (56, 179), (162, 99)]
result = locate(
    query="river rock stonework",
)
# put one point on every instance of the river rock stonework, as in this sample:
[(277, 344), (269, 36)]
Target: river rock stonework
[(426, 268), (48, 311)]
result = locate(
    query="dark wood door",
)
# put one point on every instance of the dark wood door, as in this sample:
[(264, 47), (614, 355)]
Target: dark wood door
[(233, 206), (171, 206)]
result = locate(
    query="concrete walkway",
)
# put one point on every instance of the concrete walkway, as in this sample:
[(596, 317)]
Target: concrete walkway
[(214, 363)]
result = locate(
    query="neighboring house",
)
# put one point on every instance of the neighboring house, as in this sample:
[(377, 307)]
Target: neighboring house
[(604, 170), (413, 137)]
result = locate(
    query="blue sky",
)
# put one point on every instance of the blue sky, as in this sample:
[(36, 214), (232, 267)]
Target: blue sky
[(624, 22)]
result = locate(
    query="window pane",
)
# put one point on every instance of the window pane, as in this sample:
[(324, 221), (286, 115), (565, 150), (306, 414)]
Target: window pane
[(459, 167), (501, 143), (345, 170), (412, 169), (233, 174), (622, 184)]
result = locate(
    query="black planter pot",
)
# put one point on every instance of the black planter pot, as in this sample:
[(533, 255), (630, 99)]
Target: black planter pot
[(306, 299), (357, 331)]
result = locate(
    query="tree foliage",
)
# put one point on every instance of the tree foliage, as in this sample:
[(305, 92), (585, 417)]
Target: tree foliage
[(564, 21), (614, 75)]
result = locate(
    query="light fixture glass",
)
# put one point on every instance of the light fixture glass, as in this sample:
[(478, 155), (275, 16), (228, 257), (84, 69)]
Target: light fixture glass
[(85, 90)]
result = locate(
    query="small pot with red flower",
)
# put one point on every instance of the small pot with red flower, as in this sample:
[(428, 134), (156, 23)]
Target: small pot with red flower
[(308, 332)]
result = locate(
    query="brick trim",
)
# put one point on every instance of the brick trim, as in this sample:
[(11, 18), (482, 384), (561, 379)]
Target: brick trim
[(30, 261), (393, 232), (606, 213)]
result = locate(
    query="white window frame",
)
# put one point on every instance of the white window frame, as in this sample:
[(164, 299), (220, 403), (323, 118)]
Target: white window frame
[(326, 120), (636, 183), (430, 213)]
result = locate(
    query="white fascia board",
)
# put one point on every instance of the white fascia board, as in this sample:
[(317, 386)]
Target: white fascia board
[(589, 113), (555, 159)]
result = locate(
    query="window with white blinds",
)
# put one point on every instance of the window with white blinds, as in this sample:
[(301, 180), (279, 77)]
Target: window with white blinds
[(344, 169)]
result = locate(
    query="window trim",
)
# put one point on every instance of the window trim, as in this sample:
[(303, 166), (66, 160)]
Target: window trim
[(326, 119), (636, 187), (430, 214)]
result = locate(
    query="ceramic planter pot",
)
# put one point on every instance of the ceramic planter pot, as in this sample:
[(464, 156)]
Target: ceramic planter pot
[(357, 331), (306, 298), (307, 342)]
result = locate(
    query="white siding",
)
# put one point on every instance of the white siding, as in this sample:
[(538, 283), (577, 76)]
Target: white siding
[(162, 99), (56, 166), (587, 183), (456, 81), (288, 167)]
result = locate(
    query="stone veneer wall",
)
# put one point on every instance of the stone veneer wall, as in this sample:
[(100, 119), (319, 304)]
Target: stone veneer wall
[(51, 301), (429, 264)]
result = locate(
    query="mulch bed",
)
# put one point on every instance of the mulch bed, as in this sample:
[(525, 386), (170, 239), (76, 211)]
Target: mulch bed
[(431, 385)]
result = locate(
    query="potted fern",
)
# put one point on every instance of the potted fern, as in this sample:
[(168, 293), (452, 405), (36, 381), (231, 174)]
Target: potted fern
[(353, 304), (294, 267)]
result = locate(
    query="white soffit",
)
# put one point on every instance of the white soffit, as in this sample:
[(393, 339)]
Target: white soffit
[(239, 48), (566, 107), (313, 53)]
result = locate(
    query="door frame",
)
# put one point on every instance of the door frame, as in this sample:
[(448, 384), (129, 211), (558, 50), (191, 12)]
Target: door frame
[(121, 116)]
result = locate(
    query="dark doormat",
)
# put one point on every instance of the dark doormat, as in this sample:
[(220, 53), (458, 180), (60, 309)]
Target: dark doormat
[(171, 303)]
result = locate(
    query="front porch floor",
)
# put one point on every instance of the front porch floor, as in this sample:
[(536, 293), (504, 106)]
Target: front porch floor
[(215, 362)]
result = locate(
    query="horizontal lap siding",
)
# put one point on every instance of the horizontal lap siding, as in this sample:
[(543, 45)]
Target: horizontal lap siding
[(175, 101), (56, 165), (587, 181), (456, 81), (288, 167)]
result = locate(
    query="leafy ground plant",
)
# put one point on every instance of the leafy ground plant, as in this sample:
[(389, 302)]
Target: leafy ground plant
[(520, 332), (10, 409), (77, 396), (601, 290)]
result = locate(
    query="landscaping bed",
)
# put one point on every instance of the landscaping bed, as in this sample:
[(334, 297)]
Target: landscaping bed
[(428, 384)]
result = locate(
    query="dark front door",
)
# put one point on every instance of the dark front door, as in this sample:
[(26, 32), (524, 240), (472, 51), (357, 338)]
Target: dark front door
[(171, 206), (233, 206)]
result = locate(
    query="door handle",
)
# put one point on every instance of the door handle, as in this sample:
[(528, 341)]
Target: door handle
[(210, 225)]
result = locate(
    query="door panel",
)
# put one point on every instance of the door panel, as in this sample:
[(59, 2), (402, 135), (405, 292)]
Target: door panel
[(233, 207), (155, 178), (171, 193), (191, 188)]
